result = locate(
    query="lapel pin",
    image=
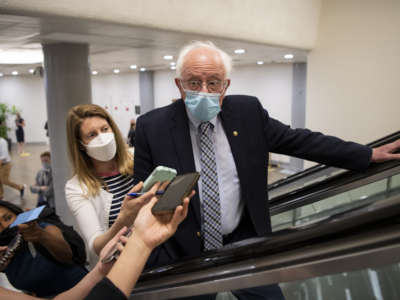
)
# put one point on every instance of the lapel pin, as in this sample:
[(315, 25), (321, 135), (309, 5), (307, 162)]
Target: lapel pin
[(235, 133)]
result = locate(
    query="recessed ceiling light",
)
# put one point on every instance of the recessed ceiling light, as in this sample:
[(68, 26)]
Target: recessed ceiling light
[(142, 69), (31, 71), (133, 67), (173, 68), (172, 63), (116, 71), (95, 72), (1, 74), (168, 57), (260, 62), (288, 56), (240, 51), (15, 73)]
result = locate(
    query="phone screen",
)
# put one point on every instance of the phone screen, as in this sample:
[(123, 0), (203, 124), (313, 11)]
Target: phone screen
[(178, 189)]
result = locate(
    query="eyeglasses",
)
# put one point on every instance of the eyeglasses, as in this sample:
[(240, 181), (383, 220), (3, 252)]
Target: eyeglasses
[(213, 86)]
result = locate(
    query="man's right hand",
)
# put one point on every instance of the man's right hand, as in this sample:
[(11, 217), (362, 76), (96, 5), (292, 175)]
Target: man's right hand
[(152, 229)]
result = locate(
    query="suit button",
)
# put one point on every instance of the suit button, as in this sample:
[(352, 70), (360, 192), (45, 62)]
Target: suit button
[(198, 233)]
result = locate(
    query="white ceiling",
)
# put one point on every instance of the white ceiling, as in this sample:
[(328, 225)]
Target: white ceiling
[(119, 46)]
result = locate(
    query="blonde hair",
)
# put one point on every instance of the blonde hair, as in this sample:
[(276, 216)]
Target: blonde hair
[(81, 162)]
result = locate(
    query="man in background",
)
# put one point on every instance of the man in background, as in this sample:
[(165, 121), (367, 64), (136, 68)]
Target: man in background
[(44, 182)]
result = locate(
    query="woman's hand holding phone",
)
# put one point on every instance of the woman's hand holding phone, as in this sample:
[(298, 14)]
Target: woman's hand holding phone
[(131, 205)]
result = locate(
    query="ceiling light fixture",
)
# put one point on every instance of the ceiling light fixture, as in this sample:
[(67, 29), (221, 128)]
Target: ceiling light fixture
[(116, 71), (260, 62), (21, 56), (240, 51), (168, 57), (288, 56), (95, 72), (1, 74), (15, 73), (172, 63), (133, 67), (173, 68), (31, 71), (142, 69)]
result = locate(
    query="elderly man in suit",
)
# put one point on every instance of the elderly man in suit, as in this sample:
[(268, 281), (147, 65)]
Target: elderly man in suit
[(227, 139)]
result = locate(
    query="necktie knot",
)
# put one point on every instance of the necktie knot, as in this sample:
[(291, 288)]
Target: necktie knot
[(203, 127)]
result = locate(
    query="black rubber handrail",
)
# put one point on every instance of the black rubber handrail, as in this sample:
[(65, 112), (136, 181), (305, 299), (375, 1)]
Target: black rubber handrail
[(314, 169)]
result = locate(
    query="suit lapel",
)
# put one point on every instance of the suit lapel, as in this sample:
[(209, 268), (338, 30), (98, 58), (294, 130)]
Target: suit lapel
[(183, 146), (231, 124)]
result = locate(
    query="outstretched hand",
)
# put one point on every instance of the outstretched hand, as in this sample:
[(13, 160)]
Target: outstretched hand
[(156, 229), (385, 152), (118, 241)]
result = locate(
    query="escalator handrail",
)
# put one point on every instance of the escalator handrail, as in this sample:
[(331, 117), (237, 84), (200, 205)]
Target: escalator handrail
[(317, 168)]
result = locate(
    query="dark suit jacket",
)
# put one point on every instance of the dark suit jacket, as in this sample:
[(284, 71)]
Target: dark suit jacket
[(163, 138)]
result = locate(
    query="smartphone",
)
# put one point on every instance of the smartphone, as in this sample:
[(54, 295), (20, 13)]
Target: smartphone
[(176, 191), (28, 216), (12, 247), (159, 174), (114, 253)]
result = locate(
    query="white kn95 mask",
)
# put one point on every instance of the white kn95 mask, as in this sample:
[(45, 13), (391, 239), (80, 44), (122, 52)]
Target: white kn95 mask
[(103, 147)]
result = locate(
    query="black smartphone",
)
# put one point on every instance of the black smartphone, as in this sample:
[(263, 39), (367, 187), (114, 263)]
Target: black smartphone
[(176, 191)]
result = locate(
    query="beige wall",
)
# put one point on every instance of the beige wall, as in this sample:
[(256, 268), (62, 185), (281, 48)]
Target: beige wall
[(353, 85), (290, 23)]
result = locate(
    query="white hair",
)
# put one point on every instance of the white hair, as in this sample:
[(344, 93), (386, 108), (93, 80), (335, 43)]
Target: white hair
[(226, 59)]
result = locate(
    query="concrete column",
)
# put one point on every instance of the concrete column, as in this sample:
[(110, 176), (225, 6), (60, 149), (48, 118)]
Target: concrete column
[(298, 106), (146, 91), (67, 83)]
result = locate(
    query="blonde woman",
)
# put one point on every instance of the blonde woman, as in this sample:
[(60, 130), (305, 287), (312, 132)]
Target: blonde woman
[(103, 175)]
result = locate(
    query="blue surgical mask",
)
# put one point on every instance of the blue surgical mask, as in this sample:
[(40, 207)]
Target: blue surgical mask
[(203, 106), (46, 165)]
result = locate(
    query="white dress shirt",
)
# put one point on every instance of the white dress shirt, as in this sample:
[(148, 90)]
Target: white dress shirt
[(228, 180)]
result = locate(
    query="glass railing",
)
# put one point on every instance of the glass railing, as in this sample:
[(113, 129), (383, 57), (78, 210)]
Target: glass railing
[(339, 203), (380, 283)]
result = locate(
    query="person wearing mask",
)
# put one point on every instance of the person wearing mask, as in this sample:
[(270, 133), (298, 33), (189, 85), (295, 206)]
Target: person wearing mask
[(50, 256), (5, 170), (116, 280), (227, 139), (131, 134), (103, 176), (44, 182)]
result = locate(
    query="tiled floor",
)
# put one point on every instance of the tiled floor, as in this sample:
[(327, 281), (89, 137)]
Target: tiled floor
[(23, 172)]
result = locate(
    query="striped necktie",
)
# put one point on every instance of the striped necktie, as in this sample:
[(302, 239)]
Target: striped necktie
[(212, 231)]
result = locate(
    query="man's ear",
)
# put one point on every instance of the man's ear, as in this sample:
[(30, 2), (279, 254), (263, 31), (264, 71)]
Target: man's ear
[(181, 91), (227, 84)]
